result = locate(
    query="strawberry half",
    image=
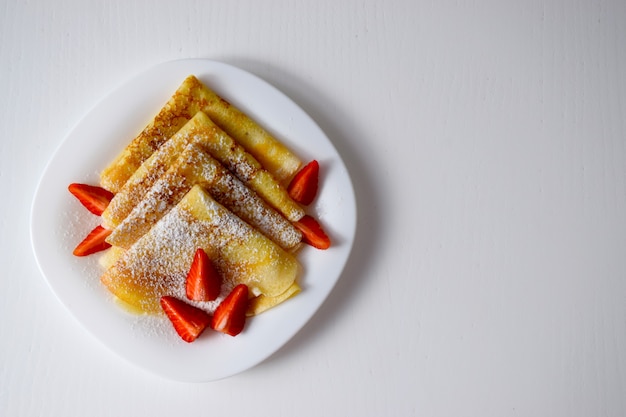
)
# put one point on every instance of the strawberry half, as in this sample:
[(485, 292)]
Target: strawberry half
[(203, 282), (94, 242), (189, 321), (303, 187), (312, 232), (230, 315), (95, 199)]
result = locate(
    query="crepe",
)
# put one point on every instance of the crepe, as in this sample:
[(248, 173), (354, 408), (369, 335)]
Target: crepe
[(263, 302), (202, 131), (256, 306), (157, 264), (193, 96), (196, 166)]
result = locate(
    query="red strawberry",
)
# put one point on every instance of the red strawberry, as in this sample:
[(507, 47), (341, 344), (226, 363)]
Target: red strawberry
[(303, 187), (203, 282), (189, 321), (312, 232), (95, 199), (94, 242), (230, 315)]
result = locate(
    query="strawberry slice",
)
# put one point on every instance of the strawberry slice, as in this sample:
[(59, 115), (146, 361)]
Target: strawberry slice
[(312, 232), (203, 282), (94, 242), (230, 315), (189, 321), (303, 187), (95, 199)]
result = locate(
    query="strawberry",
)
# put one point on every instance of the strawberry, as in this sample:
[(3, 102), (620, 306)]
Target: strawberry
[(303, 187), (230, 315), (203, 282), (95, 199), (312, 232), (189, 321), (94, 242)]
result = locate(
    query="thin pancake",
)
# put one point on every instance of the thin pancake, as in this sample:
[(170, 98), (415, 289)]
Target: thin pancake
[(157, 264), (202, 131), (196, 166), (193, 96)]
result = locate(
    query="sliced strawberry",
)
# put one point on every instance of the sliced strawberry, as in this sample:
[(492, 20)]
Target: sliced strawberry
[(303, 187), (230, 315), (189, 321), (95, 199), (312, 232), (94, 242), (203, 282)]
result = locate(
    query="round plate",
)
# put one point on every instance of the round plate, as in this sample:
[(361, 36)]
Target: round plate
[(59, 223)]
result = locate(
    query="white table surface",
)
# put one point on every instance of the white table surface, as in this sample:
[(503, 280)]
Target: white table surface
[(487, 145)]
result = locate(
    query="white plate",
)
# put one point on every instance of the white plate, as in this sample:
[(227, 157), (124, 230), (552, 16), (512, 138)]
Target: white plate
[(59, 222)]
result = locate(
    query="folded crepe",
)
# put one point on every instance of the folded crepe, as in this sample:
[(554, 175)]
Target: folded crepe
[(191, 97), (157, 264), (203, 132), (195, 166)]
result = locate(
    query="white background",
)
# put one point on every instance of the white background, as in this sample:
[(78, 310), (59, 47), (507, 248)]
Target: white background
[(487, 144)]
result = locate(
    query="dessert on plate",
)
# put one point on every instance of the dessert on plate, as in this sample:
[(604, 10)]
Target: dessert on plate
[(202, 201)]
